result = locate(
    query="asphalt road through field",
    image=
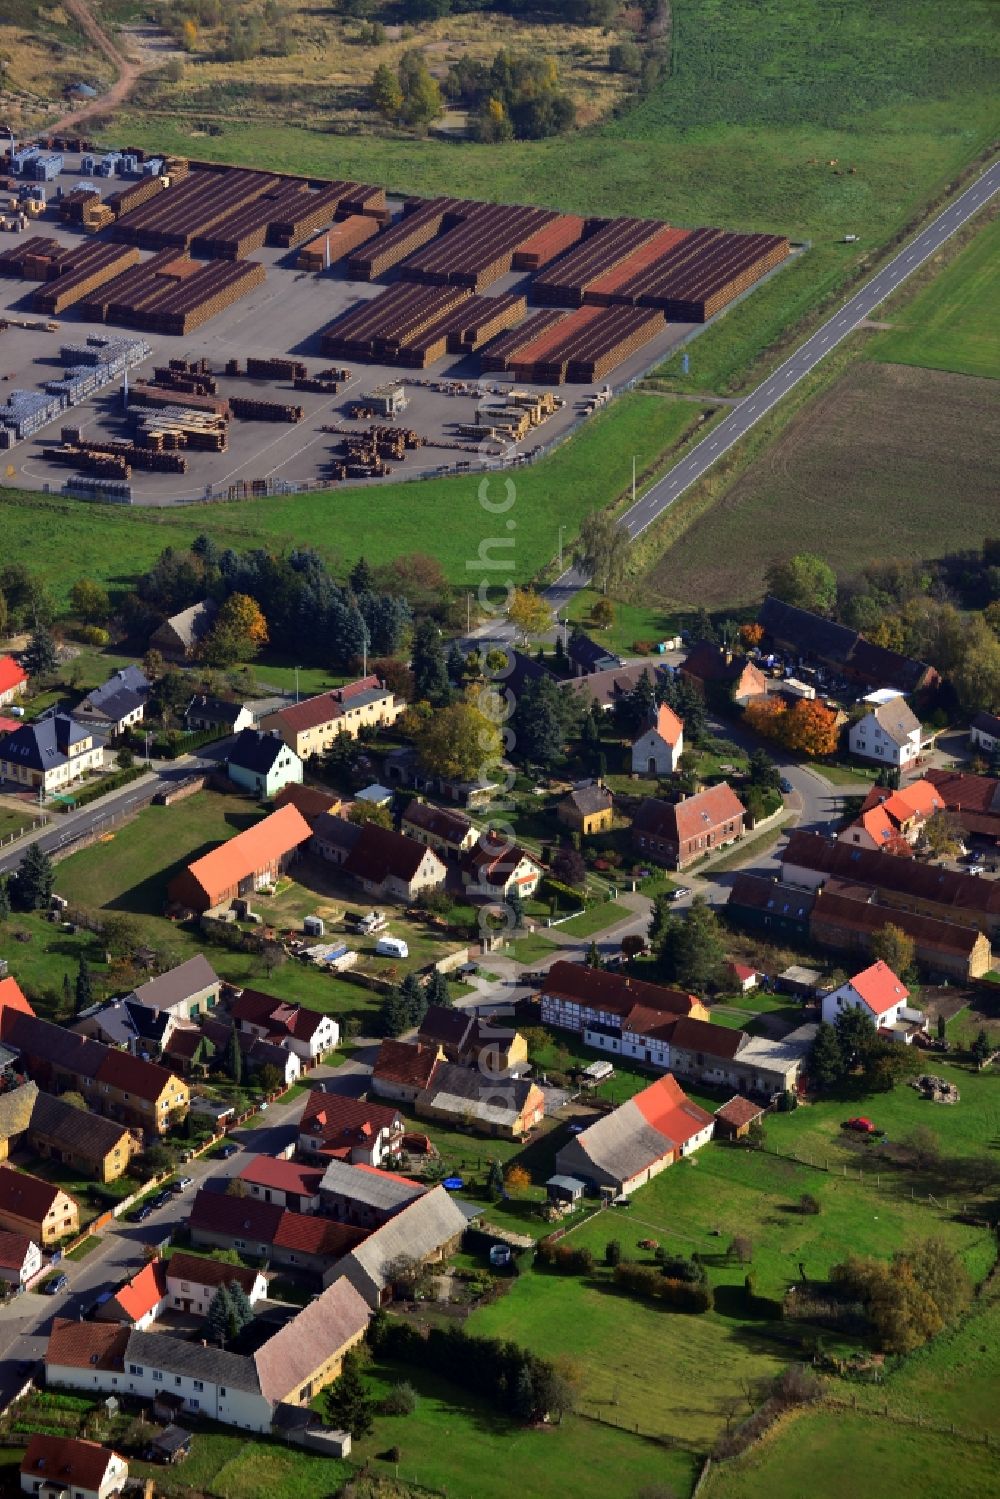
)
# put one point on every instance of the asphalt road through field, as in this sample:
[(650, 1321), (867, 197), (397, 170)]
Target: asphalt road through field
[(759, 402)]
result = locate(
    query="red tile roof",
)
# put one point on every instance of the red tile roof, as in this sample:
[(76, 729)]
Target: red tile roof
[(12, 997), (741, 971), (493, 860), (340, 1121), (119, 1069), (667, 724), (325, 707), (963, 792), (199, 1271), (879, 987), (380, 853), (307, 800), (278, 1015), (438, 821), (11, 675), (284, 1176), (66, 1462), (600, 989), (267, 1223), (693, 817), (249, 852), (138, 1297), (666, 1107), (309, 1234), (739, 1111), (405, 1062), (86, 1345), (26, 1196), (13, 1249)]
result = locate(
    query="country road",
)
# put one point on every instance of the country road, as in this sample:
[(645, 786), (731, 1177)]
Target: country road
[(126, 71), (697, 463)]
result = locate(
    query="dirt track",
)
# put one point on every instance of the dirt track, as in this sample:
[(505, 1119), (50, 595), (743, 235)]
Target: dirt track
[(127, 71)]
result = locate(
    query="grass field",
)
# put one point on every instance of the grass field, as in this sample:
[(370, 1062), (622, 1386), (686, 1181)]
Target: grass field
[(954, 324), (868, 468), (839, 1455), (229, 1466), (596, 918)]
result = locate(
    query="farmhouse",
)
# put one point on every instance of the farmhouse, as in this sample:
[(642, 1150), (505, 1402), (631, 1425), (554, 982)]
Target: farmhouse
[(429, 1228), (627, 1148), (307, 1354), (307, 1033), (29, 1205), (888, 734), (192, 1281), (364, 1195), (50, 753), (243, 864), (287, 1183), (204, 713), (262, 764), (255, 1051), (20, 1258), (984, 732), (464, 1037), (612, 1012), (57, 1467), (387, 863), (13, 680), (658, 749), (677, 833), (403, 1069), (185, 992), (77, 1138), (335, 1127), (310, 727), (495, 868), (606, 688), (721, 674), (811, 638), (179, 637), (893, 820), (118, 704), (587, 809), (301, 1242), (140, 1300), (973, 801), (447, 833), (882, 997), (505, 1107)]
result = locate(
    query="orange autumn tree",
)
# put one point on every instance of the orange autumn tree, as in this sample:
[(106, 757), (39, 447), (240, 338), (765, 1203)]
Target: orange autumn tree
[(751, 634), (811, 728), (766, 716)]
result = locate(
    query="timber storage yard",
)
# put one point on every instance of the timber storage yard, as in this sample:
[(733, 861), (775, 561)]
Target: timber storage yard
[(292, 332)]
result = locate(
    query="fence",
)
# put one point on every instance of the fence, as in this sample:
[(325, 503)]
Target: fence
[(864, 1179)]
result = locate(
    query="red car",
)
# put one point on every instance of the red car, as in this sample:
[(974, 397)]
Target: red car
[(861, 1124)]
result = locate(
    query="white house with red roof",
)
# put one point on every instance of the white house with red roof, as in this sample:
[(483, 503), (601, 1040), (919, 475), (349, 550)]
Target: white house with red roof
[(140, 1300), (658, 749), (883, 997), (13, 680), (307, 1033), (625, 1149), (335, 1127), (892, 821), (54, 1465)]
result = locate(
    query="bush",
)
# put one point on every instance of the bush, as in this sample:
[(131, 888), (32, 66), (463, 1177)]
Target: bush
[(564, 1258), (810, 1206), (93, 635), (400, 1401), (682, 1295)]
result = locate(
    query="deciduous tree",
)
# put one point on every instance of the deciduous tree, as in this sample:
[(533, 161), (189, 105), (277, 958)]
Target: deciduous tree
[(529, 612), (805, 581), (601, 550), (459, 742)]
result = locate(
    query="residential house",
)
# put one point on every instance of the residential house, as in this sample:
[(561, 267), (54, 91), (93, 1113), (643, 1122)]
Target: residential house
[(307, 1354), (334, 837), (893, 820), (119, 703), (716, 1056), (889, 734), (587, 809), (387, 863), (179, 637), (744, 978), (497, 869), (447, 833), (428, 1229), (141, 1094), (79, 1139), (20, 1258), (607, 688), (193, 1280), (984, 733), (333, 1126), (722, 674), (308, 1033), (71, 1468), (678, 833), (205, 712), (848, 923), (759, 904), (13, 681), (185, 992), (612, 1012), (255, 1050), (658, 749), (86, 1355), (29, 1205), (50, 754), (505, 1107), (585, 656), (287, 1183), (302, 1242), (310, 727), (813, 639), (309, 800), (403, 1069), (140, 1300), (122, 1022), (880, 995), (628, 1147), (242, 865), (463, 1037), (733, 1119), (364, 1195), (262, 763), (973, 801)]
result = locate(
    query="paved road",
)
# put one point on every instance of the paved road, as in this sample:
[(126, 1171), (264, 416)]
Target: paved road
[(749, 411)]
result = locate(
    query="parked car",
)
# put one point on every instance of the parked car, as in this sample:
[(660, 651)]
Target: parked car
[(182, 1183), (161, 1199), (141, 1213), (786, 786), (860, 1125), (55, 1285), (229, 1149), (680, 892)]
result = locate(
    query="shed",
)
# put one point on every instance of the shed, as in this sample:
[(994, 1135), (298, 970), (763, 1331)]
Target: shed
[(565, 1188), (596, 1073), (801, 981), (733, 1119), (171, 1446), (313, 926)]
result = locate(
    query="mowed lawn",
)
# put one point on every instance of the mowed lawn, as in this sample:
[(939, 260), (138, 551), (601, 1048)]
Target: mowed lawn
[(830, 1454), (954, 324), (229, 1466), (888, 461)]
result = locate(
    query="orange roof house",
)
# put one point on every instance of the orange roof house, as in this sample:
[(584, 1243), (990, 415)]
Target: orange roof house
[(140, 1300), (70, 1465), (242, 864), (628, 1147), (892, 820), (676, 833), (13, 679), (12, 997)]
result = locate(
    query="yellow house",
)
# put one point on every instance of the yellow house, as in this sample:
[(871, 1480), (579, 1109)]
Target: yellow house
[(29, 1205), (310, 727), (59, 1132), (307, 1354), (137, 1093), (50, 754), (587, 809)]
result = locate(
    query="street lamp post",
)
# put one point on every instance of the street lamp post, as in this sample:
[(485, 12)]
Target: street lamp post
[(561, 530), (297, 669)]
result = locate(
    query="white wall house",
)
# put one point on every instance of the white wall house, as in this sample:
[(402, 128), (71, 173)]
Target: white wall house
[(882, 996), (889, 734), (658, 750)]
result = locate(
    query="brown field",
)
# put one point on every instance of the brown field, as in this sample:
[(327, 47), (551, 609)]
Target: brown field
[(888, 462)]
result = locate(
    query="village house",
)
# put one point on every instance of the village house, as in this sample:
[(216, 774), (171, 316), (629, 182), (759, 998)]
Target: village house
[(29, 1205), (119, 703), (50, 754), (658, 749), (888, 734), (628, 1147), (587, 809), (204, 713), (13, 681), (307, 1354), (122, 1022), (364, 1195), (973, 801), (717, 1056), (508, 1108), (20, 1258), (310, 1034), (140, 1300), (427, 1230), (77, 1138), (880, 995), (286, 1183), (607, 688), (678, 833), (309, 800), (193, 1280), (722, 674), (301, 1242), (984, 733), (497, 869), (611, 1011), (179, 637), (310, 727), (447, 833), (586, 656), (185, 992), (893, 821), (402, 1069), (355, 1130), (71, 1468), (385, 863), (256, 1051), (464, 1037), (242, 865), (822, 642), (334, 836), (262, 764)]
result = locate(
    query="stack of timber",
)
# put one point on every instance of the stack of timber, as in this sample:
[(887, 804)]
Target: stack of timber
[(88, 268), (380, 328), (172, 294), (566, 280), (336, 242)]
